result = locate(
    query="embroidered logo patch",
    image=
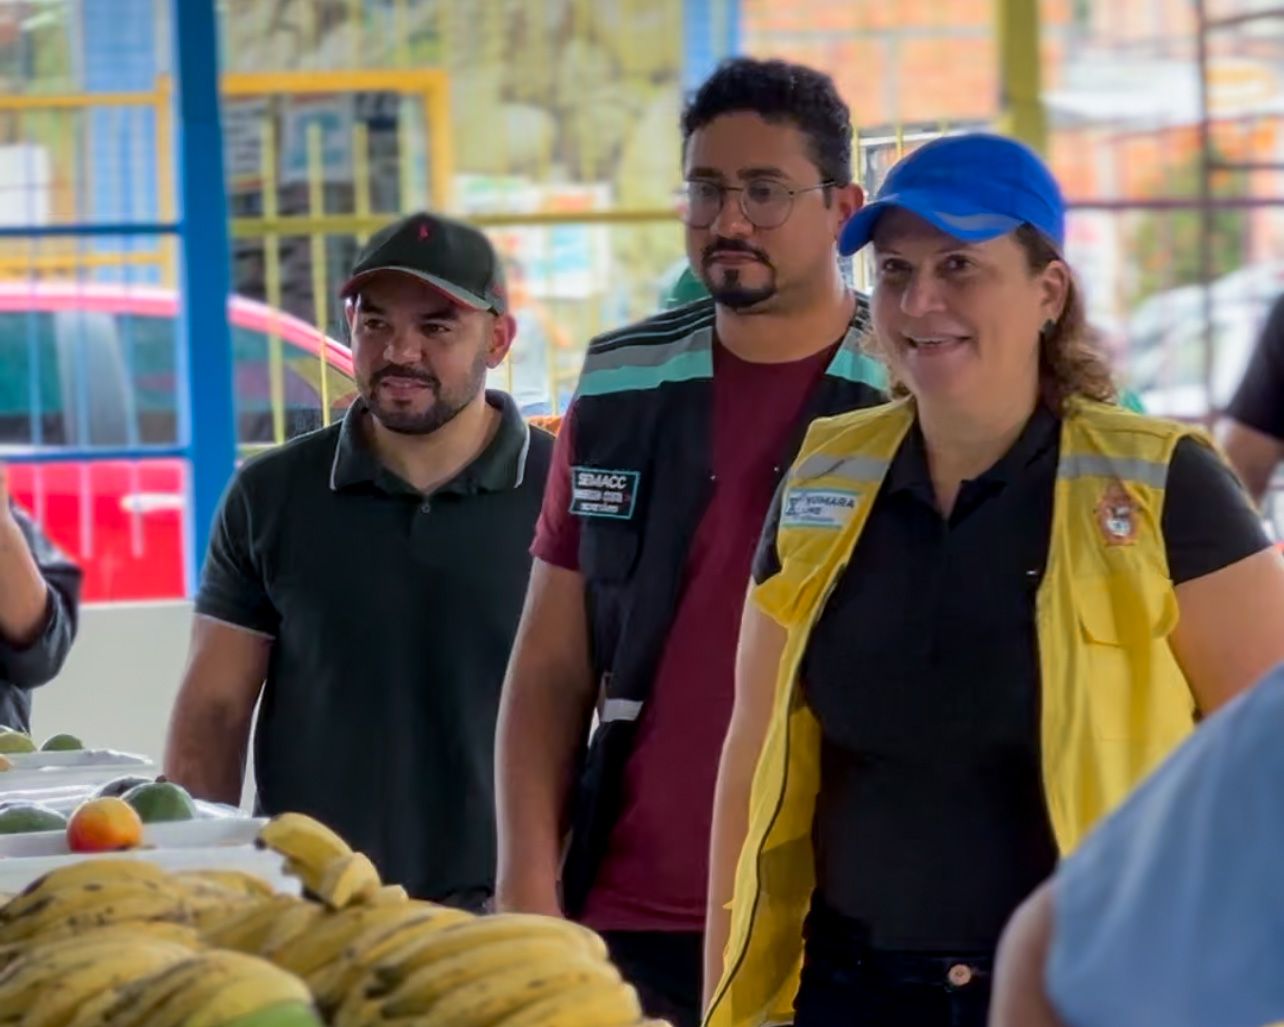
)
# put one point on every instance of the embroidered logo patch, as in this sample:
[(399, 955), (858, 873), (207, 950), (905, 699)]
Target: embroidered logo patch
[(600, 493), (818, 508), (1117, 515)]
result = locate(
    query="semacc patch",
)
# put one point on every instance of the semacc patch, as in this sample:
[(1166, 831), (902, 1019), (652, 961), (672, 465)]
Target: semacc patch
[(596, 492)]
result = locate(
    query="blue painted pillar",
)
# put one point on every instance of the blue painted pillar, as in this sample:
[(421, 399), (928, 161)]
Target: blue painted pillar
[(206, 415), (710, 32)]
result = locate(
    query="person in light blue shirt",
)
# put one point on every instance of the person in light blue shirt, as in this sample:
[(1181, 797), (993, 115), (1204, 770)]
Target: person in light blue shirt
[(1172, 911)]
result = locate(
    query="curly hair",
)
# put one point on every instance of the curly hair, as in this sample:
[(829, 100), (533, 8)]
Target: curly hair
[(1070, 361), (778, 91)]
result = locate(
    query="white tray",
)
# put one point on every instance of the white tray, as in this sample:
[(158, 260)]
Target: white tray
[(89, 775), (16, 874), (78, 758), (227, 832)]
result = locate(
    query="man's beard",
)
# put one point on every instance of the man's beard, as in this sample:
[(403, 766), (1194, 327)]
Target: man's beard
[(729, 291), (446, 404), (736, 296)]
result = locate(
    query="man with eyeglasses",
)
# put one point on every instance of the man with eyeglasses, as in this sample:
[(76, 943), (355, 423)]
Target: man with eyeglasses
[(662, 475)]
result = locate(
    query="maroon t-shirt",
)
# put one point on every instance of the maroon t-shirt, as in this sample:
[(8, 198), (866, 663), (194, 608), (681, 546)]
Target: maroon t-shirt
[(655, 874)]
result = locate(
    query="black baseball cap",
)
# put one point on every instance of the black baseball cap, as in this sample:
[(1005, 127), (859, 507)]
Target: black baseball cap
[(454, 258)]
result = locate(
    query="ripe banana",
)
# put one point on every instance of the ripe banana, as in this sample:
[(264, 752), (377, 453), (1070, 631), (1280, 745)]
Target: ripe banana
[(591, 1005), (388, 894), (87, 906), (157, 930), (296, 922), (251, 985), (246, 928), (176, 994), (235, 882), (476, 932), (308, 846), (94, 872), (425, 985), (330, 935), (333, 981), (347, 879), (107, 966), (490, 999)]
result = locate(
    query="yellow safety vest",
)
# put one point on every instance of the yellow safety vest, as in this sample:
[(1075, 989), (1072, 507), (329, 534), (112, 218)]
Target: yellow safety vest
[(1114, 701)]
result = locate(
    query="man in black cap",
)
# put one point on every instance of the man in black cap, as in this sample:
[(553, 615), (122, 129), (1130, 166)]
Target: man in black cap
[(367, 579)]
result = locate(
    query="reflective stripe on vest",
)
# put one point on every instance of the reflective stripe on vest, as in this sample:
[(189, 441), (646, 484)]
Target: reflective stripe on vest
[(620, 709)]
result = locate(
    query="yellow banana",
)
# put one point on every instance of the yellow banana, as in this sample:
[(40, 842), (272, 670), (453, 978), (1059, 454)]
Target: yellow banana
[(347, 879), (490, 999), (476, 932), (108, 967), (388, 894), (427, 983), (243, 985), (98, 870), (591, 1005), (334, 980), (68, 912), (50, 964), (296, 922), (235, 882), (154, 930), (159, 998), (246, 930), (330, 934), (90, 873), (308, 846)]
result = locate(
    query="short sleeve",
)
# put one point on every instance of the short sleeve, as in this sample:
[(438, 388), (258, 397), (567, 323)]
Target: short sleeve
[(1259, 400), (1208, 521), (557, 532), (766, 559), (233, 584)]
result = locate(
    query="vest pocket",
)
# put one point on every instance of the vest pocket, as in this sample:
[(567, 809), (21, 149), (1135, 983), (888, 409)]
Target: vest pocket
[(1124, 623)]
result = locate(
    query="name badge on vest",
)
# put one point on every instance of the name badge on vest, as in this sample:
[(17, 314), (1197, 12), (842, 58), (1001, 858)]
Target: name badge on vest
[(818, 508), (596, 492)]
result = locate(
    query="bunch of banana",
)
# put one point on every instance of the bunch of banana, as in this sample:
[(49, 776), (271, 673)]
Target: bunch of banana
[(247, 925), (213, 988), (486, 972), (342, 945), (90, 894), (48, 983), (323, 861)]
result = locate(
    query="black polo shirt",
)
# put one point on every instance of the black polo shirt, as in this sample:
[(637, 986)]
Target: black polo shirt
[(392, 615), (923, 670)]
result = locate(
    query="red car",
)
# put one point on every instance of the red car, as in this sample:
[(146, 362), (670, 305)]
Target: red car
[(86, 366)]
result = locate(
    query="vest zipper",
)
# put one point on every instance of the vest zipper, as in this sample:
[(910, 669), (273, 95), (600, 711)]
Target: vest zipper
[(729, 975)]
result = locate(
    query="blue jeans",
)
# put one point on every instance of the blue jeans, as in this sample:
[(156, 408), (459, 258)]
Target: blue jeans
[(845, 983)]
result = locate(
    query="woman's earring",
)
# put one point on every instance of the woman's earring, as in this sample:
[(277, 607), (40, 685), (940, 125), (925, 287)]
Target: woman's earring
[(1045, 333)]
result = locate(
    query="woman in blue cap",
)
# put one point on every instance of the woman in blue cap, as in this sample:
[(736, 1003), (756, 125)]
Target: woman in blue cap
[(980, 615)]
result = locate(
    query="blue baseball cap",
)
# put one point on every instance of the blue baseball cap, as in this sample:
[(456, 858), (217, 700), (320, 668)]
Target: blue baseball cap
[(973, 187)]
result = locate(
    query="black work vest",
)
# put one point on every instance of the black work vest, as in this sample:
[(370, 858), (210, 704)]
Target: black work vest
[(641, 478)]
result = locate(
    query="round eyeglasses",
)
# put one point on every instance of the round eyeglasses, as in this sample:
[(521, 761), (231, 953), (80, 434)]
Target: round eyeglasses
[(764, 203)]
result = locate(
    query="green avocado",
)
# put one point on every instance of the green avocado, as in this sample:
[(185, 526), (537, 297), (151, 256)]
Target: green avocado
[(16, 741), (283, 1014), (158, 802), (118, 787), (23, 817), (62, 743)]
